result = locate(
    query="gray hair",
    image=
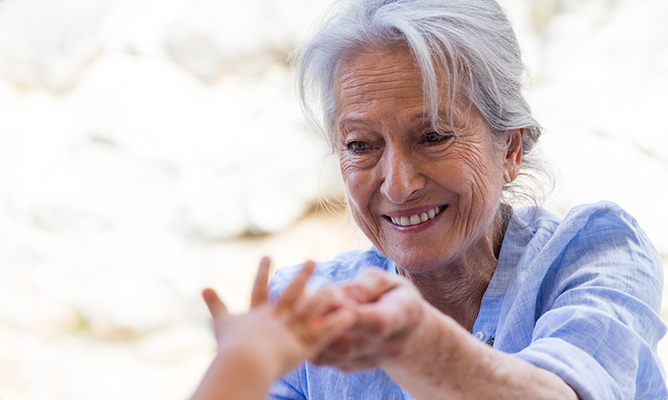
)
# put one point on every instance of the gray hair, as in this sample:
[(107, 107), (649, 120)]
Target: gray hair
[(469, 42)]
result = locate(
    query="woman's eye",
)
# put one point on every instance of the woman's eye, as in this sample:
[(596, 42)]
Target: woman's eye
[(357, 146), (435, 137)]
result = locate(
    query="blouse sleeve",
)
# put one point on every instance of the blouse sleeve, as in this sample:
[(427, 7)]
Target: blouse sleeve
[(597, 318), (284, 388)]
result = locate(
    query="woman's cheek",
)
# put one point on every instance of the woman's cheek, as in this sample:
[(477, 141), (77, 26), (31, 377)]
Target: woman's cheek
[(345, 166), (353, 176)]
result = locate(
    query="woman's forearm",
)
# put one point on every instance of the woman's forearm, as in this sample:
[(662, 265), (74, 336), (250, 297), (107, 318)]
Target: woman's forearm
[(446, 362)]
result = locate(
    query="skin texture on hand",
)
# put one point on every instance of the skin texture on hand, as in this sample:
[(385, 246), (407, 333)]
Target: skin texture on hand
[(388, 311), (256, 348)]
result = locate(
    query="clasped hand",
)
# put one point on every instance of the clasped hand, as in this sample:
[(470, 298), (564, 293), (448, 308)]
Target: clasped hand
[(361, 324), (390, 314)]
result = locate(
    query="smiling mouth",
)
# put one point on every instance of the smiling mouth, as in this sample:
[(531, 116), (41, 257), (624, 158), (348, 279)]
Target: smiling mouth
[(417, 219)]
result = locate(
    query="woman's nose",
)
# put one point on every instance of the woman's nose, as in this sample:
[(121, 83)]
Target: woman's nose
[(402, 178)]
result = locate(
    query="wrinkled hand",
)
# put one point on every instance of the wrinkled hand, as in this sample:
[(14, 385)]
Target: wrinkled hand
[(299, 326), (390, 316)]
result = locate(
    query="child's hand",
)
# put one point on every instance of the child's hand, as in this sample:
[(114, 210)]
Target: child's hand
[(281, 336)]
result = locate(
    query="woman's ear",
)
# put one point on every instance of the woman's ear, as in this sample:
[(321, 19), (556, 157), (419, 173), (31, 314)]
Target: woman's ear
[(513, 157)]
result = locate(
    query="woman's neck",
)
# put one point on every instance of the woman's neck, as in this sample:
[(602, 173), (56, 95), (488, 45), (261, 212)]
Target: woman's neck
[(457, 289)]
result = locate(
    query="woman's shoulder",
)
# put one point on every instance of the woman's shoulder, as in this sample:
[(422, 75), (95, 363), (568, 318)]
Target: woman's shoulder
[(587, 221), (343, 267), (609, 235), (599, 215), (600, 235), (598, 242)]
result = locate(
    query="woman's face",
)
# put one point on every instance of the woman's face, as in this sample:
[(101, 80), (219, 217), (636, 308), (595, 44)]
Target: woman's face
[(425, 199)]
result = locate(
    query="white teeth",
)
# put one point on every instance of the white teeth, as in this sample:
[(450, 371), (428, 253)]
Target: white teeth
[(417, 218)]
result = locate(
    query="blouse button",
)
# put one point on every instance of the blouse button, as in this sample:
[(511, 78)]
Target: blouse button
[(480, 336)]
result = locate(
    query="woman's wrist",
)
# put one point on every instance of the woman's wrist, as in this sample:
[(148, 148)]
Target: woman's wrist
[(427, 335), (434, 354)]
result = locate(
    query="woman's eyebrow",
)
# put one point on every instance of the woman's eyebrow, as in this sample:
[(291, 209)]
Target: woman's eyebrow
[(444, 115)]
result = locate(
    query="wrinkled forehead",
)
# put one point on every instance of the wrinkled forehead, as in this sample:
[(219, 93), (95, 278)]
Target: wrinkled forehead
[(369, 74)]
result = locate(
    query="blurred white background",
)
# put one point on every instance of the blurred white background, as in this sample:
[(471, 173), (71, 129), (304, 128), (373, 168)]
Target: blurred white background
[(149, 149)]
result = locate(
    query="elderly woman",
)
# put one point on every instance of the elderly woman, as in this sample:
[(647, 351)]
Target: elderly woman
[(463, 296)]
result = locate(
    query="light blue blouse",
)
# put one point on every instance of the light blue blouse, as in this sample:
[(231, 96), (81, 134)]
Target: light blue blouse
[(579, 297)]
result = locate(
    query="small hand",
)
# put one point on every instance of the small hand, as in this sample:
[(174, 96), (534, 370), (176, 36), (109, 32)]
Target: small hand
[(298, 326)]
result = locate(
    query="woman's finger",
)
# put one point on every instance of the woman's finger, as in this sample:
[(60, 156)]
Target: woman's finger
[(399, 310), (331, 326), (216, 306), (327, 299), (370, 285), (336, 352), (296, 287), (259, 294), (354, 352)]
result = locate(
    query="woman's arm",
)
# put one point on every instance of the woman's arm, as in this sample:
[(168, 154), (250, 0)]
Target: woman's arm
[(428, 353), (445, 361)]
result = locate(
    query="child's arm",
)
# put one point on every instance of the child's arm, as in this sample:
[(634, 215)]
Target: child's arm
[(256, 348)]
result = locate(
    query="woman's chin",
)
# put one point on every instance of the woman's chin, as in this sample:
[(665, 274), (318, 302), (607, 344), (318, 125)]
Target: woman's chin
[(417, 264)]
